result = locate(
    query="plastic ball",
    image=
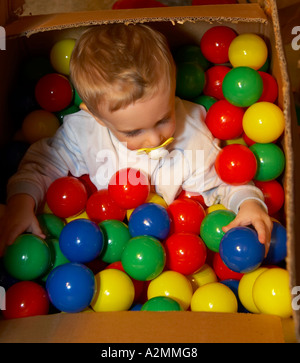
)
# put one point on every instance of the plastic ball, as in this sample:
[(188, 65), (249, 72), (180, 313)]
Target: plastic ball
[(114, 291), (152, 198), (270, 161), (271, 293), (263, 122), (222, 271), (60, 55), (278, 246), (39, 124), (150, 219), (236, 164), (161, 303), (100, 207), (116, 236), (204, 276), (241, 250), (191, 54), (51, 225), (234, 285), (248, 50), (215, 207), (129, 188), (81, 241), (205, 101), (246, 287), (211, 228), (214, 81), (28, 258), (270, 88), (273, 194), (190, 80), (186, 253), (66, 197), (173, 285), (53, 92), (214, 297), (24, 299), (224, 120), (186, 216), (242, 86), (143, 258), (71, 287), (215, 43)]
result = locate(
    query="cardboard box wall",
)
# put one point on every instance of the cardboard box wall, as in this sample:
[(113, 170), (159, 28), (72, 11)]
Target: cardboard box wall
[(181, 25)]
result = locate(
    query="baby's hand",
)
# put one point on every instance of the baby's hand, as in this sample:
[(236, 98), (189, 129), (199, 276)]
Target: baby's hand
[(19, 217), (252, 213)]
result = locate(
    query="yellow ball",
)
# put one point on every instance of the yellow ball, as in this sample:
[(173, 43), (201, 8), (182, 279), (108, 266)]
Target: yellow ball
[(245, 289), (39, 124), (60, 55), (271, 293), (263, 122), (214, 207), (114, 291), (82, 215), (174, 285), (248, 50), (152, 198), (214, 297), (202, 277)]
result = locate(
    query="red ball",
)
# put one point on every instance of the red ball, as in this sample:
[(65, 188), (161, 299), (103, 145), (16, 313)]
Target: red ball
[(136, 4), (224, 120), (129, 188), (186, 253), (24, 299), (270, 88), (53, 92), (100, 207), (215, 43), (214, 80), (186, 216), (194, 196), (236, 164), (89, 186), (66, 197), (273, 193), (222, 271)]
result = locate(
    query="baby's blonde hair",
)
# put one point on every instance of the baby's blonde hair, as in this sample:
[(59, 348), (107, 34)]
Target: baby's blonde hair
[(116, 65)]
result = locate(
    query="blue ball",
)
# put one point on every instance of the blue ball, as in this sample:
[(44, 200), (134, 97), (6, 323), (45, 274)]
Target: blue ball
[(241, 250), (81, 241), (278, 249), (234, 287), (150, 219), (71, 287)]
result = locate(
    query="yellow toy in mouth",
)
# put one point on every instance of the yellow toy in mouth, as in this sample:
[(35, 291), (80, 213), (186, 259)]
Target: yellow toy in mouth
[(149, 150)]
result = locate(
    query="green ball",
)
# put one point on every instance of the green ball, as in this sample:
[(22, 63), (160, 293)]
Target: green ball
[(270, 161), (191, 54), (28, 258), (51, 225), (190, 80), (116, 236), (161, 303), (205, 101), (242, 86), (143, 258), (211, 227), (57, 257)]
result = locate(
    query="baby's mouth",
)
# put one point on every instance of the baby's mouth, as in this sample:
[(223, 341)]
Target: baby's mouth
[(158, 151)]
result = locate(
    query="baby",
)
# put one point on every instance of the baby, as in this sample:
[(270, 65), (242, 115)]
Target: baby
[(126, 77)]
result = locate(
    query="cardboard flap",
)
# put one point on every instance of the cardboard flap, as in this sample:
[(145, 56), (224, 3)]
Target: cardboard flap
[(33, 24)]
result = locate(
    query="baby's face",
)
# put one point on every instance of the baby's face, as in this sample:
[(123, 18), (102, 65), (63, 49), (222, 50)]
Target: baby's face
[(145, 123)]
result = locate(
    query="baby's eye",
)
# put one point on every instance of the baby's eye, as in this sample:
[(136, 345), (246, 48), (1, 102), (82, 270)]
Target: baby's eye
[(133, 133)]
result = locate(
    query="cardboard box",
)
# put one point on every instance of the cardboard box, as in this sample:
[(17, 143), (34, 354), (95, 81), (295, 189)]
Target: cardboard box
[(181, 25)]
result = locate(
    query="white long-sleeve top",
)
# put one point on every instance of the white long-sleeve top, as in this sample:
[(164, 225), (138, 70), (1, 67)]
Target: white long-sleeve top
[(83, 146)]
